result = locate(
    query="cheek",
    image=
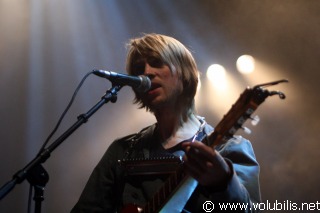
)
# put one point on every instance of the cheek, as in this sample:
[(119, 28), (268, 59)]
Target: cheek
[(177, 85), (172, 80)]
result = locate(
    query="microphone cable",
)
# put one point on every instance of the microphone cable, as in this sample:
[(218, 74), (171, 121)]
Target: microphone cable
[(64, 112), (55, 130)]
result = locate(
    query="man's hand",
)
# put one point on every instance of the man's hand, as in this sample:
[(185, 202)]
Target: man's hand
[(205, 164)]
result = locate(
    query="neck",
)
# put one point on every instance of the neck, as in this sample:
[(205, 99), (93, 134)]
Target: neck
[(169, 122)]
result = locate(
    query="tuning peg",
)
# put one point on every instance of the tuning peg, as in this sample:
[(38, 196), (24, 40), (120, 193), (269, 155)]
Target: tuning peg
[(246, 130), (255, 120)]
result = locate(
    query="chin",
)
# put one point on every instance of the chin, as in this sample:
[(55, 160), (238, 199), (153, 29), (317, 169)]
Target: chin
[(154, 105)]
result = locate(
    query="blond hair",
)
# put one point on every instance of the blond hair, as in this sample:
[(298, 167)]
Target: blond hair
[(170, 52)]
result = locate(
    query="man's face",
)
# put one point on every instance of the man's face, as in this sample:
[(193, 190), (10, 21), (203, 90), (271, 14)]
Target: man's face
[(166, 86)]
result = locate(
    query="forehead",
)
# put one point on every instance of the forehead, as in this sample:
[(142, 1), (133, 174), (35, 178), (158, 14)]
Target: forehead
[(155, 57), (151, 58)]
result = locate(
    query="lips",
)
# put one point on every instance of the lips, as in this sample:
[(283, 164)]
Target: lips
[(154, 86), (153, 89)]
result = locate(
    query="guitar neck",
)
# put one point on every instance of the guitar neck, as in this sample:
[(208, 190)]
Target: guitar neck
[(244, 107)]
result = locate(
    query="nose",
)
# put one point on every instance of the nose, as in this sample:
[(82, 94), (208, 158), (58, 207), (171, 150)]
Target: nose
[(149, 71)]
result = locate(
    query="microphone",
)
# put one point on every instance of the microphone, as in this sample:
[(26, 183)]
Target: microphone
[(140, 83)]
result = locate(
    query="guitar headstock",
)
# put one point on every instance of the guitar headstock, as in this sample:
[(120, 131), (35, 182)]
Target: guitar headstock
[(242, 110)]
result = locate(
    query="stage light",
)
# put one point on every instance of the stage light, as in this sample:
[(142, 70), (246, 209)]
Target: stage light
[(217, 76), (219, 90), (245, 64)]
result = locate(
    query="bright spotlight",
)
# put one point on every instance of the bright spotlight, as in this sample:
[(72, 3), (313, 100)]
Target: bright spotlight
[(245, 64), (217, 75)]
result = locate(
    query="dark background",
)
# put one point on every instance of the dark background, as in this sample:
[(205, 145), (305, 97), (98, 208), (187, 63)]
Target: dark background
[(46, 47)]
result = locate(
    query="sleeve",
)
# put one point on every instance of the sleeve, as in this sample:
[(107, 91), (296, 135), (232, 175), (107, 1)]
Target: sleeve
[(242, 190), (246, 169), (101, 193)]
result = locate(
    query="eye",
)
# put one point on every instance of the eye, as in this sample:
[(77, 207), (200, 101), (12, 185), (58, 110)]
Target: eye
[(138, 67), (155, 62)]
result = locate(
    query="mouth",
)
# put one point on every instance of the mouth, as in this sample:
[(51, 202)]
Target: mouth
[(153, 90), (154, 86)]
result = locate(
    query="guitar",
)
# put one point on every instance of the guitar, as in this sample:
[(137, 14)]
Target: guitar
[(178, 182)]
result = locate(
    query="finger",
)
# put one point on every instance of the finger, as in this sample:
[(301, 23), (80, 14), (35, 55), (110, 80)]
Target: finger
[(205, 176), (199, 164), (194, 171), (207, 159), (194, 158), (194, 163), (198, 149)]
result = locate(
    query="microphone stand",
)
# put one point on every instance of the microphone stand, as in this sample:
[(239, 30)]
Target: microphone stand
[(34, 171)]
